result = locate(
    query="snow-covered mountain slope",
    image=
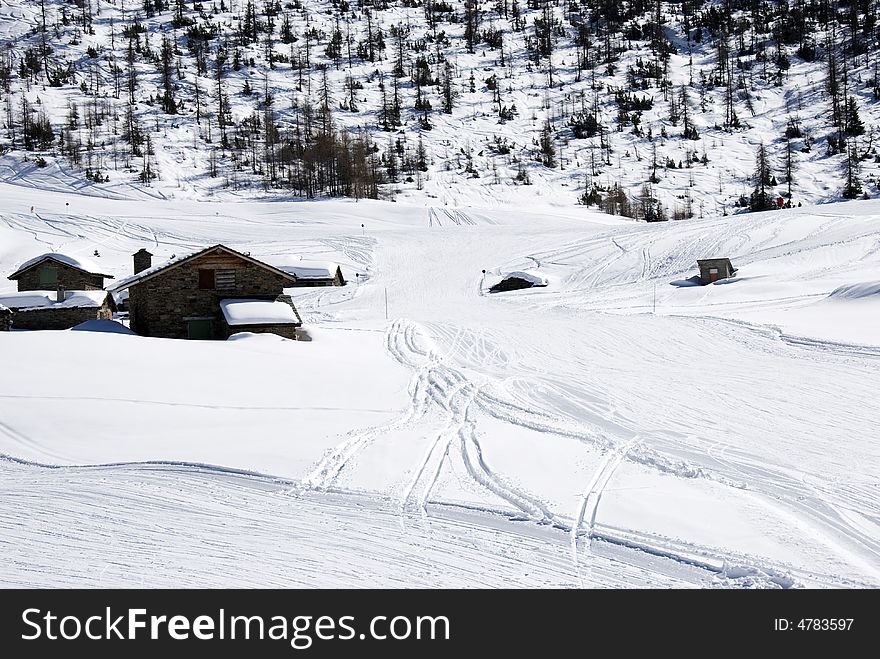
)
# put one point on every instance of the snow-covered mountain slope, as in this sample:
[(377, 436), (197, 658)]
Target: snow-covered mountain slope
[(574, 434), (238, 97)]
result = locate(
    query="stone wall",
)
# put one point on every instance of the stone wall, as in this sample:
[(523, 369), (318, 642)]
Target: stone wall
[(287, 331), (5, 319), (70, 278), (55, 319), (160, 305)]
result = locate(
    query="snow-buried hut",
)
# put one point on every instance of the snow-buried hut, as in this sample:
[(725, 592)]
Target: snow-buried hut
[(209, 294), (517, 280)]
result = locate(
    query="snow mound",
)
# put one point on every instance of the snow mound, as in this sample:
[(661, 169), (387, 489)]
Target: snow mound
[(860, 291), (107, 326)]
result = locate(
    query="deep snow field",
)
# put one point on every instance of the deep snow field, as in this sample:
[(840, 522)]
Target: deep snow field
[(620, 427)]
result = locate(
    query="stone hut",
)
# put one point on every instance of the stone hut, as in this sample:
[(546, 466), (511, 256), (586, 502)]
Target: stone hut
[(712, 270), (315, 273), (49, 271), (209, 294), (59, 310)]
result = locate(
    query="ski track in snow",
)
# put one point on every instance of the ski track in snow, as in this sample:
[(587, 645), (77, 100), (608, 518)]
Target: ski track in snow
[(593, 494), (151, 521)]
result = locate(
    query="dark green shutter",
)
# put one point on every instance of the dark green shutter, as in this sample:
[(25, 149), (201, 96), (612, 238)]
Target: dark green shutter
[(48, 275), (199, 329)]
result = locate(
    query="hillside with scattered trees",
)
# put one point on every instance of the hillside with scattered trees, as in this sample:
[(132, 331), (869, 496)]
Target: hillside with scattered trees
[(653, 110)]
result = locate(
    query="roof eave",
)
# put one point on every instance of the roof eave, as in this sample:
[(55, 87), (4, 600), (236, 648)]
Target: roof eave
[(170, 266), (18, 273)]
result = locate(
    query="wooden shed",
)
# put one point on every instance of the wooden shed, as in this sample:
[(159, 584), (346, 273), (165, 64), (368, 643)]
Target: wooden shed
[(712, 270)]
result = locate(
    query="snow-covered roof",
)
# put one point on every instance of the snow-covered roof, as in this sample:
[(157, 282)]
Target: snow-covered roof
[(531, 276), (26, 300), (125, 282), (259, 312), (180, 258), (79, 263), (310, 269)]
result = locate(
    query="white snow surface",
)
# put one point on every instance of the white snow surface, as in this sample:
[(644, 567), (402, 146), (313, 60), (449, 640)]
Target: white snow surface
[(257, 312), (25, 300), (621, 428)]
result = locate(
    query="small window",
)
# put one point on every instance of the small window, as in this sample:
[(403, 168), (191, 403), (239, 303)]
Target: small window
[(713, 271), (48, 275), (225, 280), (206, 280)]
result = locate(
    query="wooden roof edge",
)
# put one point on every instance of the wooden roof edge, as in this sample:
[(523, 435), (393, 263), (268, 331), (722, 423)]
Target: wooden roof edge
[(135, 280)]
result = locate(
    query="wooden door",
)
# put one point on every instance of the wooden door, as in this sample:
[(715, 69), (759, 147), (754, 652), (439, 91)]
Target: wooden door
[(199, 329)]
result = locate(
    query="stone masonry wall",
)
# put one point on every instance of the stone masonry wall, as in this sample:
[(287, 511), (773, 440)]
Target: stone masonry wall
[(53, 319), (70, 278)]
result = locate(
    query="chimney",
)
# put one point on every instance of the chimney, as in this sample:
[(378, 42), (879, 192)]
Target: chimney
[(143, 260), (59, 295)]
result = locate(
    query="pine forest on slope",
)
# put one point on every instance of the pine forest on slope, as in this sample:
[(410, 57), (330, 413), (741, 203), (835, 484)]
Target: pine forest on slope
[(654, 110)]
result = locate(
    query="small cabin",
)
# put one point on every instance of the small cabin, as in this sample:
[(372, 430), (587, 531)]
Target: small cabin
[(47, 272), (58, 310), (712, 270)]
